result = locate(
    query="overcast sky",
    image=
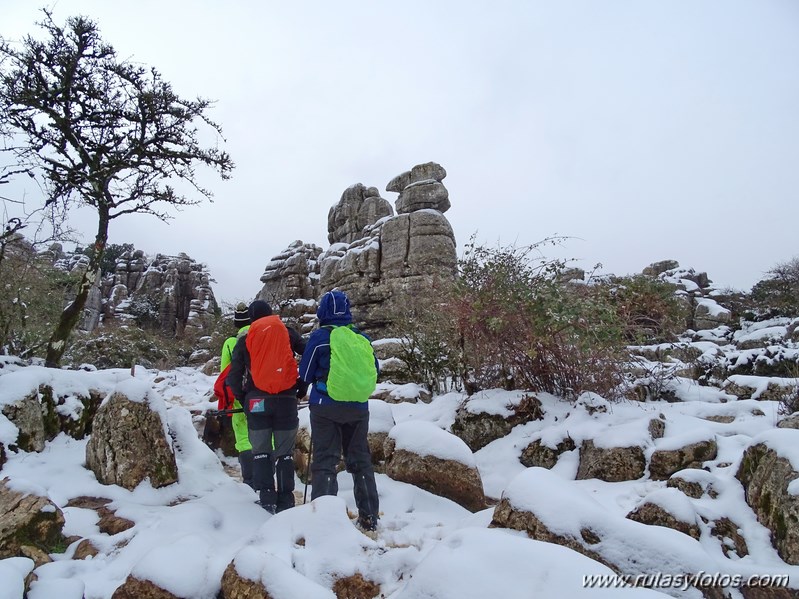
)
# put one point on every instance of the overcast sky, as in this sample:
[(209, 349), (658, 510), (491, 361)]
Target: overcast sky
[(642, 130)]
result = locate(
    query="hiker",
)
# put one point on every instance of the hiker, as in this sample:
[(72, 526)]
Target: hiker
[(241, 321), (263, 377), (339, 419)]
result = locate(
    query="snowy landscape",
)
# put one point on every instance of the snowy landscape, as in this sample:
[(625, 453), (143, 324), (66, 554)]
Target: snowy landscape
[(185, 535)]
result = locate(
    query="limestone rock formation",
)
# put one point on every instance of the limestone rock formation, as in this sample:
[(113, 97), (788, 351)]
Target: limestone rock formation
[(766, 476), (38, 419), (421, 188), (403, 257), (27, 519), (448, 478), (128, 444), (171, 293), (658, 510), (359, 207), (380, 259), (611, 464), (595, 532), (697, 290), (541, 455), (291, 284), (665, 462), (477, 428), (236, 585), (135, 588), (108, 521), (292, 274)]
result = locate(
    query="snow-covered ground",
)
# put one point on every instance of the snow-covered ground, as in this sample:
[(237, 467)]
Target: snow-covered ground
[(186, 534)]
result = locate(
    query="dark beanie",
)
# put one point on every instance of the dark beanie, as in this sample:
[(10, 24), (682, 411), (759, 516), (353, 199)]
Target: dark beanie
[(241, 317), (259, 309)]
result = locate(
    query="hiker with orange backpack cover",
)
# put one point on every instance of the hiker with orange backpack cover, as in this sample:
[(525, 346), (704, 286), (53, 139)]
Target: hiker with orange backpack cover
[(225, 398), (263, 377)]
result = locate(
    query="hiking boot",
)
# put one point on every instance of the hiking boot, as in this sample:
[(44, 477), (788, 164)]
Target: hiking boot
[(367, 523), (269, 507)]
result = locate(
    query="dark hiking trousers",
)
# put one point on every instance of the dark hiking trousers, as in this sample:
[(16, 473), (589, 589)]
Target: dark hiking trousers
[(272, 434), (336, 430)]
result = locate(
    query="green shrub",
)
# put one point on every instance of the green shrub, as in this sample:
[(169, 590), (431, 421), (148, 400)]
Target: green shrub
[(32, 292), (430, 347), (523, 323), (778, 293), (647, 308)]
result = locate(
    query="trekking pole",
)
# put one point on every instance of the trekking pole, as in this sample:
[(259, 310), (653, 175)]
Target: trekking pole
[(224, 412), (307, 471)]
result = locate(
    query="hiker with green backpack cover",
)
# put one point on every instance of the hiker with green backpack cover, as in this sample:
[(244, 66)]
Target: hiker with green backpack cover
[(341, 367)]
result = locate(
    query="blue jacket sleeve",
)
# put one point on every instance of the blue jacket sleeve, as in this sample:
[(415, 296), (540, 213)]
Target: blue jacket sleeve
[(316, 351)]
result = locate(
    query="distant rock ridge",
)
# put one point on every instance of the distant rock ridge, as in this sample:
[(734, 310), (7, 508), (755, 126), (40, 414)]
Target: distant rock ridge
[(697, 290), (168, 293), (377, 257)]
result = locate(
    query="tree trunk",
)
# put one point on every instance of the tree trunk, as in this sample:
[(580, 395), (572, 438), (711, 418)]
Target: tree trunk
[(71, 314)]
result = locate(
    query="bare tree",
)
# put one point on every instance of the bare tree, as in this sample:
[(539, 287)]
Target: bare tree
[(102, 132)]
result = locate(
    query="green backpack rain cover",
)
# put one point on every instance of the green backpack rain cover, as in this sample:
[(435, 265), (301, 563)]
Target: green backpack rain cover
[(352, 375)]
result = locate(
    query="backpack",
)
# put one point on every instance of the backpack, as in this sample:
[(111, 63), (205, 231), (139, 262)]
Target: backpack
[(352, 375), (272, 364), (224, 396)]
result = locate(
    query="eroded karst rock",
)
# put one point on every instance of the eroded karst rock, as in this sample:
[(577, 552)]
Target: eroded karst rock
[(28, 520), (485, 418), (665, 462), (669, 508), (453, 474), (541, 455), (129, 443), (171, 293), (611, 464), (359, 207), (421, 188), (382, 260), (136, 588), (624, 545), (766, 476), (293, 274)]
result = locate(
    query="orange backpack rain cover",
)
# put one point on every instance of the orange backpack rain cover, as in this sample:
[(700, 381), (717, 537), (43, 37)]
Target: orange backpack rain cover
[(272, 364)]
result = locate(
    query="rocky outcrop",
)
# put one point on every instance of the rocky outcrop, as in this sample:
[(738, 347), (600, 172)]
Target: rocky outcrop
[(398, 259), (171, 293), (291, 275), (766, 476), (108, 522), (358, 208), (129, 444), (665, 462), (28, 415), (28, 521), (705, 312), (269, 579), (41, 415), (380, 259), (236, 586), (541, 455), (611, 464), (450, 478), (135, 588), (624, 545), (477, 428), (420, 188), (654, 511)]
